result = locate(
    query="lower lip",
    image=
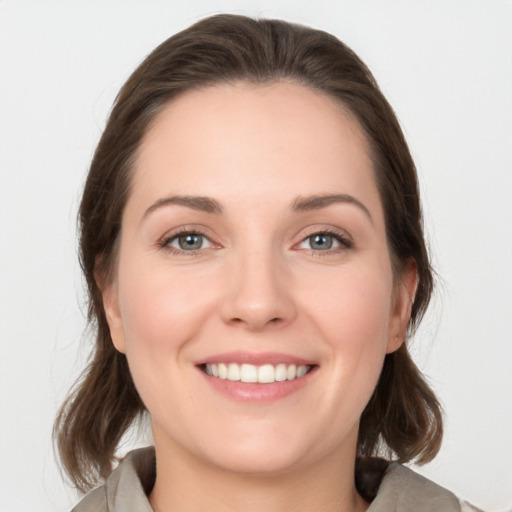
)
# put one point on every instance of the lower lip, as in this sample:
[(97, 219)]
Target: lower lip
[(255, 392)]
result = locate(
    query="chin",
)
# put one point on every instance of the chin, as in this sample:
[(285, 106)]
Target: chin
[(268, 451), (270, 461), (247, 448)]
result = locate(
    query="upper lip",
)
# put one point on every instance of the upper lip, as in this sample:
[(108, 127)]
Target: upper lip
[(257, 359)]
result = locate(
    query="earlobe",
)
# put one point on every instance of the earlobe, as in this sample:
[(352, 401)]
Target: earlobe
[(404, 299), (113, 315)]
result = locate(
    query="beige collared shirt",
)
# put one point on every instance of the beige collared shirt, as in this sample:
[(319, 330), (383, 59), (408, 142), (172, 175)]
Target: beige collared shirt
[(401, 490)]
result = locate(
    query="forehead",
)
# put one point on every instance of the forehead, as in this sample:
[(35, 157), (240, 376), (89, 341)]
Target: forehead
[(254, 140)]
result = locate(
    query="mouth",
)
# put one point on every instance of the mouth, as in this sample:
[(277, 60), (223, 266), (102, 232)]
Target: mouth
[(260, 374)]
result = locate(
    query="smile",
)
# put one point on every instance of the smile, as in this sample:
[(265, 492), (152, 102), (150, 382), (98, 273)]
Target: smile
[(264, 374)]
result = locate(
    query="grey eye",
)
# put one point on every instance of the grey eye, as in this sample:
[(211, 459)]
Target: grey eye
[(189, 242), (321, 241)]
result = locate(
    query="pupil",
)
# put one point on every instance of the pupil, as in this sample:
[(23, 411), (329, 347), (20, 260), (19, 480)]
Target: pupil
[(321, 242), (190, 241)]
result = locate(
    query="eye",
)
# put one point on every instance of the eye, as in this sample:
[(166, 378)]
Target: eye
[(321, 241), (325, 241), (187, 242)]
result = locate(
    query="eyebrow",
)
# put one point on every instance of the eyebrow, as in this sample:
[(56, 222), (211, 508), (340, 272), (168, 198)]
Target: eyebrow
[(301, 204), (204, 204), (317, 202)]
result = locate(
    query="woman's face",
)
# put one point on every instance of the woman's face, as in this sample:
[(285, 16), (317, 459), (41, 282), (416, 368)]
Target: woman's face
[(253, 247)]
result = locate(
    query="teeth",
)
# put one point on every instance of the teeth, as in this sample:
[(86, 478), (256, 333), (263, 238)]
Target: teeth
[(249, 373), (265, 374), (301, 371), (233, 372), (223, 371), (280, 373)]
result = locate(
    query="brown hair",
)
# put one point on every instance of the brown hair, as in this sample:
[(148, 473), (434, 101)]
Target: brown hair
[(403, 417)]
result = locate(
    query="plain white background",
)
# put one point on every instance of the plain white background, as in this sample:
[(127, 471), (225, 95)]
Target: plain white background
[(445, 66)]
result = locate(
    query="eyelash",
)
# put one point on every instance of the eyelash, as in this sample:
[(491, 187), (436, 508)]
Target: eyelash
[(344, 241), (167, 240)]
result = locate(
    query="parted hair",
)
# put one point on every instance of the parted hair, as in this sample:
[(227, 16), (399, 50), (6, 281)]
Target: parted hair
[(402, 420)]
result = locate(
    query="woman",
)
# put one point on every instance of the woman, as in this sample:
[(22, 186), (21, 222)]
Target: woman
[(252, 242)]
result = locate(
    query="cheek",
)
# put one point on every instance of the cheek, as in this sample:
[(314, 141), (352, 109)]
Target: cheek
[(160, 312), (354, 311), (353, 318), (160, 316)]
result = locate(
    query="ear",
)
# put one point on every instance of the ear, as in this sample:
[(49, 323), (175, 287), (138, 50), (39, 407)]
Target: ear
[(405, 291), (110, 297)]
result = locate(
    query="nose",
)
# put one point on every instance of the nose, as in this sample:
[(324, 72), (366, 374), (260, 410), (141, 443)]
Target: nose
[(258, 293)]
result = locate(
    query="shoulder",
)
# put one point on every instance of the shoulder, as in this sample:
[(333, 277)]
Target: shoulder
[(126, 488), (95, 500), (402, 490), (392, 487)]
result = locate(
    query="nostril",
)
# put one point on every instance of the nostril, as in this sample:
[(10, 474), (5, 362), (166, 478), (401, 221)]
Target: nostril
[(254, 323)]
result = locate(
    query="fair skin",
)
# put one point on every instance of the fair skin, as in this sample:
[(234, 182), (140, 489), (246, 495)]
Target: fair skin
[(285, 264)]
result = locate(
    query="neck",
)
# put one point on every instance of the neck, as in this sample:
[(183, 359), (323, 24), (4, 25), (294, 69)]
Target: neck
[(186, 484)]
